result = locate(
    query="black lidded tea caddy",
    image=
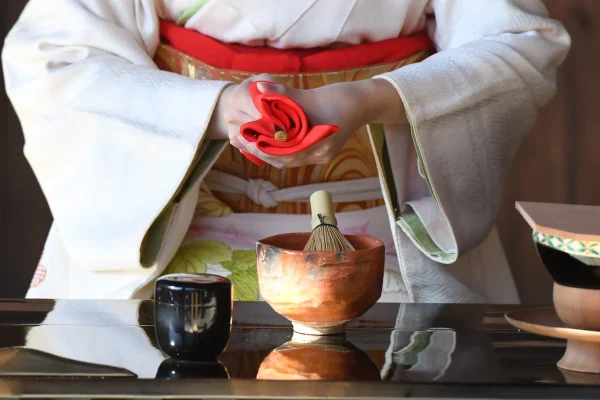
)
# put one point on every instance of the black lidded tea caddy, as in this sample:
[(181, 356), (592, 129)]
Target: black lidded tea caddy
[(192, 315)]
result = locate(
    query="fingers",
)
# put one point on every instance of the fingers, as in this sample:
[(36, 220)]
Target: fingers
[(276, 162), (264, 87), (318, 156), (244, 102), (306, 157), (262, 77), (235, 139), (242, 107), (238, 141), (245, 111)]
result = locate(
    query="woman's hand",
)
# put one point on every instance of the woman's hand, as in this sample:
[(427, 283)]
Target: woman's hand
[(335, 104), (234, 108), (347, 105)]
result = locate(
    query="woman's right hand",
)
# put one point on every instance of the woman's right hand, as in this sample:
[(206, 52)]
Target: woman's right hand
[(234, 109)]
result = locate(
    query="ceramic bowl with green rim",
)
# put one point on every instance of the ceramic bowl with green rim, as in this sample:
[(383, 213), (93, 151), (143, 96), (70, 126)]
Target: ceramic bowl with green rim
[(570, 262), (567, 239)]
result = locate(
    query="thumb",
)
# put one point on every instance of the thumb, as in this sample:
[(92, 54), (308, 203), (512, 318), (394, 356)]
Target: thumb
[(265, 87)]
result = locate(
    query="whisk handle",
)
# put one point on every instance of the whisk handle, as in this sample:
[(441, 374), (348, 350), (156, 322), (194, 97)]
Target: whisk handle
[(322, 205)]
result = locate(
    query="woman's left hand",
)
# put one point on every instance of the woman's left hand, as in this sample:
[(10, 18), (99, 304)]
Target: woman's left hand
[(347, 105)]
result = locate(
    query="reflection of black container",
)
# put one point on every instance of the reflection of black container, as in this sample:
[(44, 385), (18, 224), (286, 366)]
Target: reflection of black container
[(179, 369), (193, 315)]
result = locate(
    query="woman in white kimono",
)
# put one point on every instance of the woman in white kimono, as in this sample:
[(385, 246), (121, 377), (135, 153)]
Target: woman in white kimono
[(128, 112)]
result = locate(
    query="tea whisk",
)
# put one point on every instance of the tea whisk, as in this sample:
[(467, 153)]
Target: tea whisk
[(325, 235)]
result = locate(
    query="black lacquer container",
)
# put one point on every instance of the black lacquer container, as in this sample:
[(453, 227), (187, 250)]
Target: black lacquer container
[(567, 270), (193, 315)]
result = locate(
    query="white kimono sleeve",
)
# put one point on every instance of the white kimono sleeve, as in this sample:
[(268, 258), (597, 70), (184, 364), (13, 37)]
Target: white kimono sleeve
[(470, 106), (109, 136)]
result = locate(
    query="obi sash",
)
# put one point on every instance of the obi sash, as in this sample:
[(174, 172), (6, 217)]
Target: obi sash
[(192, 54)]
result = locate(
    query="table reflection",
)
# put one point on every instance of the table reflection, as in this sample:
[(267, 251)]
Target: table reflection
[(103, 333), (448, 351), (424, 343), (180, 369), (308, 357)]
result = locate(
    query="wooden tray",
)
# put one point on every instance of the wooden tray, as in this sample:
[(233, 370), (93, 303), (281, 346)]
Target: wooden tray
[(583, 347)]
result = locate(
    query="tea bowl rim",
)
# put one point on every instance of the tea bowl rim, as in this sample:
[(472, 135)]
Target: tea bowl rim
[(542, 237), (379, 244)]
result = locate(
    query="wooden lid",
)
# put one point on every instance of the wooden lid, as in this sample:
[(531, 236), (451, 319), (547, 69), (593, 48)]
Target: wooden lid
[(567, 221)]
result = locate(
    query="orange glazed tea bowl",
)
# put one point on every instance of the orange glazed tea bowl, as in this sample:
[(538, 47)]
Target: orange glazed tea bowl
[(320, 292)]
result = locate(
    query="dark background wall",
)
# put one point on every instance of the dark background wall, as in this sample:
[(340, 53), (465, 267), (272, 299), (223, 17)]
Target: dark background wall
[(557, 163), (24, 215)]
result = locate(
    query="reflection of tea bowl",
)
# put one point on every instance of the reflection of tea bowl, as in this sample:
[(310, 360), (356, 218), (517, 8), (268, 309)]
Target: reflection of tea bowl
[(320, 292), (318, 358)]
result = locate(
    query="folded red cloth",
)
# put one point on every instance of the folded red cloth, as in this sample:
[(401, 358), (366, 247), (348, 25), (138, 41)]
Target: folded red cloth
[(281, 114)]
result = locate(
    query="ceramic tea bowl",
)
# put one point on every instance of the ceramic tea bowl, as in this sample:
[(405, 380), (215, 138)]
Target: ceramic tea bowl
[(567, 240), (576, 293), (307, 357), (320, 292)]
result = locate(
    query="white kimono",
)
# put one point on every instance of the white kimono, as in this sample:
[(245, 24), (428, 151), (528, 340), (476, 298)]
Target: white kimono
[(110, 138)]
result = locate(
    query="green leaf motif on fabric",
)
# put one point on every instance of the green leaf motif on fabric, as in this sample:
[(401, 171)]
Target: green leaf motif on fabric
[(245, 285), (194, 257), (247, 256), (244, 276)]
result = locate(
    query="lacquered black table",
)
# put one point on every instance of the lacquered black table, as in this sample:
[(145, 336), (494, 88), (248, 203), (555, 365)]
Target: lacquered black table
[(107, 349)]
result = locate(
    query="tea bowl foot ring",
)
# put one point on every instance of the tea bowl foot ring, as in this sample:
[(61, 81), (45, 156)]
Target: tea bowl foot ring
[(581, 356), (582, 352), (319, 330)]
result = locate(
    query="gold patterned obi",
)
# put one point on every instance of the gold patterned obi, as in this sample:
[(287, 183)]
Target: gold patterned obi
[(355, 161)]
